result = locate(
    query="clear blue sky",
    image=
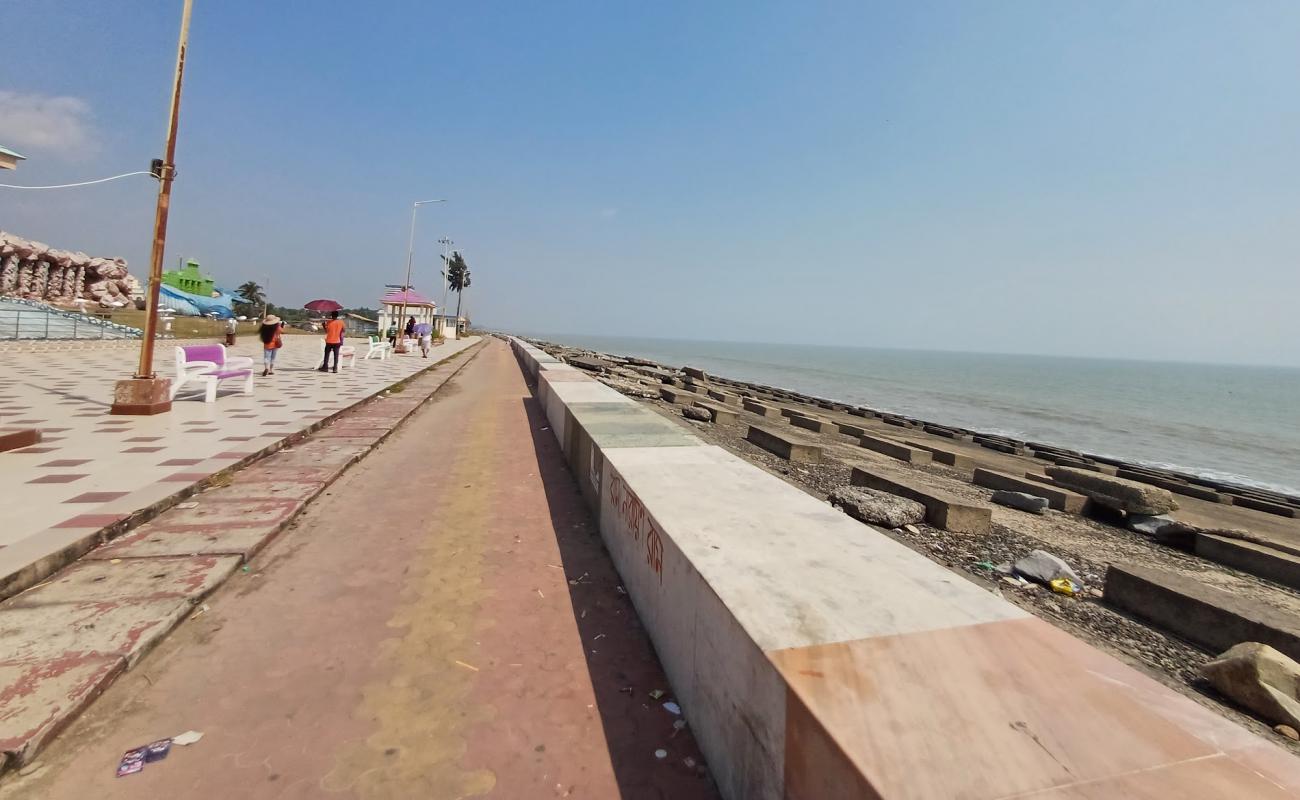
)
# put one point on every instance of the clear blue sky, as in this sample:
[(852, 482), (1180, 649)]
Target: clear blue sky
[(1111, 179)]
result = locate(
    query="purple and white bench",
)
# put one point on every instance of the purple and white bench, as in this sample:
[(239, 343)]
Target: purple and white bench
[(209, 365)]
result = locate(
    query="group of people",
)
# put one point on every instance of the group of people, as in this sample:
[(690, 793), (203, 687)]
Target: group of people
[(272, 335), (423, 331)]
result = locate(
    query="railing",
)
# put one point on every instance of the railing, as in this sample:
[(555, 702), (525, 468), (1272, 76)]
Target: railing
[(44, 322)]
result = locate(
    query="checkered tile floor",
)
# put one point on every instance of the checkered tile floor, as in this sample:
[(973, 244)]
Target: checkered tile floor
[(92, 468)]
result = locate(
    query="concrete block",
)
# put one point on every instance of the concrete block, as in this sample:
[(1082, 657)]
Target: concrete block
[(784, 445), (761, 409), (677, 396), (942, 510), (1011, 448), (720, 415), (947, 433), (862, 412), (899, 422), (1173, 485), (856, 431), (726, 398), (1203, 615), (1257, 559), (697, 374), (1265, 506), (811, 423), (1117, 493), (589, 364), (912, 455), (950, 457), (1057, 497)]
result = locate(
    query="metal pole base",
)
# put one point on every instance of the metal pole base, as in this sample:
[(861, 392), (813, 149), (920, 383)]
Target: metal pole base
[(142, 396)]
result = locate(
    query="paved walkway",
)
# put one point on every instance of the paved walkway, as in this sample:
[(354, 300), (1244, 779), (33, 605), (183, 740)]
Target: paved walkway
[(443, 623), (93, 468)]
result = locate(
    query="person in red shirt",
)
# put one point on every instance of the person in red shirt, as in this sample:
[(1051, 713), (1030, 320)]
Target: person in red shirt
[(333, 341)]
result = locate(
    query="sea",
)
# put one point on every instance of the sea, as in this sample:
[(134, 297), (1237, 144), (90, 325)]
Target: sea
[(1232, 423)]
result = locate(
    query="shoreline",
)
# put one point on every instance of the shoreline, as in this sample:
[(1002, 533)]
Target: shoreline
[(1207, 478)]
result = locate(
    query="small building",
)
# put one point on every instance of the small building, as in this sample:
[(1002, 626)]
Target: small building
[(357, 325), (9, 159), (417, 305), (189, 279)]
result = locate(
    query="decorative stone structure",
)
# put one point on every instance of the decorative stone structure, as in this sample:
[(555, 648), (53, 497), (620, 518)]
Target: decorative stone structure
[(35, 271)]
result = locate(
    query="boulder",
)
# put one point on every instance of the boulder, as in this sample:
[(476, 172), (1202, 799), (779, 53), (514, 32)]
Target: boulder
[(1042, 567), (1021, 500), (1117, 493), (694, 412), (1260, 678), (876, 507)]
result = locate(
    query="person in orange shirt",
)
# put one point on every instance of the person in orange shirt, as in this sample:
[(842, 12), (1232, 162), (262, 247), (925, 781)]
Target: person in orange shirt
[(333, 341)]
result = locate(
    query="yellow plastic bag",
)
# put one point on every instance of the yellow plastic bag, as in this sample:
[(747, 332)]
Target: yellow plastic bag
[(1064, 586)]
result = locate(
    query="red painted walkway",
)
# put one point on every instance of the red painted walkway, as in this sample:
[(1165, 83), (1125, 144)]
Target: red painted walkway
[(443, 623)]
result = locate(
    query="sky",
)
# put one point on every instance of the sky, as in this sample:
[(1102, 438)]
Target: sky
[(1091, 179)]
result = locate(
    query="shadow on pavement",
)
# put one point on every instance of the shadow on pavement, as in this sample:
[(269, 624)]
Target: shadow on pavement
[(621, 660)]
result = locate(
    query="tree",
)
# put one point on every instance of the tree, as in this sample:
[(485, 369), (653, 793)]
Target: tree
[(457, 277), (255, 296)]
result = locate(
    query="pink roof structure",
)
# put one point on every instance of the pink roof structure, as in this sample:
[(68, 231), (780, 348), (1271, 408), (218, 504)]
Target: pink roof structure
[(412, 298)]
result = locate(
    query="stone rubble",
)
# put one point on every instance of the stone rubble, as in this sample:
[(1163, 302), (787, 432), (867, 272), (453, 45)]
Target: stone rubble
[(35, 271)]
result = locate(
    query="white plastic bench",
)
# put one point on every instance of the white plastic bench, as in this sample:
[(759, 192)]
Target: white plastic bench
[(208, 364), (378, 348)]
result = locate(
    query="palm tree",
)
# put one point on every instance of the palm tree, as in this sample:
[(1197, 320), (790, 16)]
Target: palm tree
[(251, 292), (457, 278)]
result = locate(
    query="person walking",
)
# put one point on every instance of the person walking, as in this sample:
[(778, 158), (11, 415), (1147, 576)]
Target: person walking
[(270, 334), (425, 332), (333, 341)]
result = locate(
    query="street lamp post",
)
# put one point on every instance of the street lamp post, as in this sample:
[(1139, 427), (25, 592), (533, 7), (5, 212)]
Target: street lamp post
[(399, 344), (146, 393)]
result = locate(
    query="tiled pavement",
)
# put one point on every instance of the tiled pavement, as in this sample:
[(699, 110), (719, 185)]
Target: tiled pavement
[(63, 641), (93, 469)]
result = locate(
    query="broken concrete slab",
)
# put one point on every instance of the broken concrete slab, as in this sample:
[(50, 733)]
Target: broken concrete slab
[(875, 507), (696, 413), (45, 634), (39, 699), (942, 510), (1209, 617), (1117, 493), (788, 447), (912, 455), (100, 581), (1260, 678), (1057, 498), (589, 364), (1030, 503)]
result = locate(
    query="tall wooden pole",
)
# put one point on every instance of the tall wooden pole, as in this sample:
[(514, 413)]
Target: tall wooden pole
[(166, 174)]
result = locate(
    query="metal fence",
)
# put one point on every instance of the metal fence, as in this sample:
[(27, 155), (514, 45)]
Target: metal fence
[(45, 324)]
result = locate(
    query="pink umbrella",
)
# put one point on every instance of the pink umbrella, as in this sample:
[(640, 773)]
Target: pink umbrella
[(323, 306)]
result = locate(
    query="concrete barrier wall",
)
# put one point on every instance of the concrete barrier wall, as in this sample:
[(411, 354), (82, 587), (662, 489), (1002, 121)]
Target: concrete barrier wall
[(817, 658)]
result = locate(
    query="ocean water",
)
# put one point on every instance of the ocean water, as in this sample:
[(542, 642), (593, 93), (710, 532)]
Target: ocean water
[(1238, 423)]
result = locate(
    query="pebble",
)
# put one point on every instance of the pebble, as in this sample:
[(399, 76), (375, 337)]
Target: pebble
[(1288, 732)]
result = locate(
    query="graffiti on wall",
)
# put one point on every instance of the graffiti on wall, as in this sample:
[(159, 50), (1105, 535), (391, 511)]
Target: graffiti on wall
[(637, 522)]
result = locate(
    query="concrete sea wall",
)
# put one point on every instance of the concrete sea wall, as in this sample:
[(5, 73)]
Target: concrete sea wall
[(815, 657)]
